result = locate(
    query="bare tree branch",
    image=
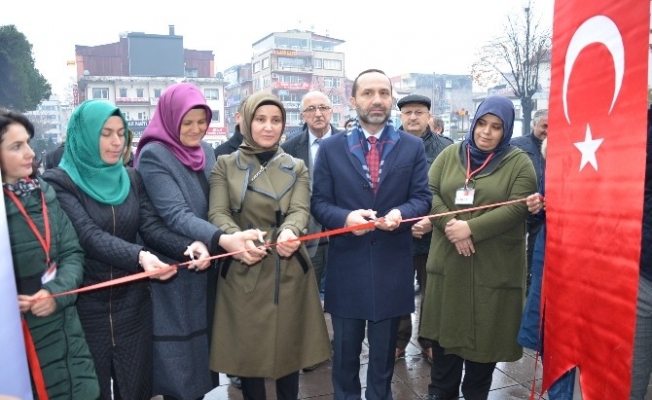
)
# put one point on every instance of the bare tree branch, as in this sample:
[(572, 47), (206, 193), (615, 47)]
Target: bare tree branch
[(516, 58)]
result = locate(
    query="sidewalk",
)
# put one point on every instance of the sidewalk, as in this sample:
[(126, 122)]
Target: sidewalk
[(511, 381)]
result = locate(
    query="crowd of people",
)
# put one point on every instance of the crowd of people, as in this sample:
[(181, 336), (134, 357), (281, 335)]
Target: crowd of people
[(258, 313)]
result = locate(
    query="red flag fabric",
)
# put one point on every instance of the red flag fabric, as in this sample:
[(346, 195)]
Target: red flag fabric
[(594, 191)]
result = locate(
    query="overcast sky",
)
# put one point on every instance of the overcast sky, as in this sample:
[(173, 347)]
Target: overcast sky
[(423, 36)]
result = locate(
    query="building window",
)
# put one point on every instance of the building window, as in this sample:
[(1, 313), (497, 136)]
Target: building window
[(290, 43), (123, 92), (291, 78), (266, 81), (157, 93), (140, 93), (265, 62), (192, 73), (335, 99), (294, 118), (317, 63), (331, 82), (126, 114), (256, 67), (101, 93), (212, 94), (216, 116), (285, 95), (142, 116), (333, 64), (335, 119), (292, 62)]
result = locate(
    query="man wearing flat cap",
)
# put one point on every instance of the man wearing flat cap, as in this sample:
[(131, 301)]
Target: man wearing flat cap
[(415, 113)]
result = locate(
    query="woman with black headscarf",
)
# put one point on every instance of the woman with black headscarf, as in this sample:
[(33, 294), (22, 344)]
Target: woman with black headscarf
[(476, 264)]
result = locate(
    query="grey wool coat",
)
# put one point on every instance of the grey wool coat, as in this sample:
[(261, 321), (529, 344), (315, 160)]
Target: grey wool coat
[(268, 319), (474, 304), (179, 305)]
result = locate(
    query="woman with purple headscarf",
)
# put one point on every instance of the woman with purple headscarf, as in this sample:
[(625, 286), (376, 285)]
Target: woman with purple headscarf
[(175, 165), (476, 265)]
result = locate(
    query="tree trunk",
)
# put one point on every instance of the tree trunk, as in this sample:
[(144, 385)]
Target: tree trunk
[(526, 106)]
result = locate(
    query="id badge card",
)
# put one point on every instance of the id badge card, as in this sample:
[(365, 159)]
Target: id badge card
[(464, 196), (49, 273)]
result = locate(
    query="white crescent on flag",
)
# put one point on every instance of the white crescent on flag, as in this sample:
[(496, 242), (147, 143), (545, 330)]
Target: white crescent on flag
[(598, 29)]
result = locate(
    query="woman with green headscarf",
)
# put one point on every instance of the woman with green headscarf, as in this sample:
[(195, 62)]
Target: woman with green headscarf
[(108, 206)]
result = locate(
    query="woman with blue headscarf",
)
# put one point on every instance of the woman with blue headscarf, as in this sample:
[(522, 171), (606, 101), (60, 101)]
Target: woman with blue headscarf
[(109, 207), (476, 264)]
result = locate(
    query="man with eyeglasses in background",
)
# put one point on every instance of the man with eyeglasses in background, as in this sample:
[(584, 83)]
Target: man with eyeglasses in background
[(415, 115), (316, 114)]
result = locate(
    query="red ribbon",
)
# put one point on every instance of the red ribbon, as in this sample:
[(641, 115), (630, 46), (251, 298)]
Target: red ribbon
[(334, 232)]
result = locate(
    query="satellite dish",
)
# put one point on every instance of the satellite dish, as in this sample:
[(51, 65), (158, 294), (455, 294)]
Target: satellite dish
[(86, 72), (219, 75)]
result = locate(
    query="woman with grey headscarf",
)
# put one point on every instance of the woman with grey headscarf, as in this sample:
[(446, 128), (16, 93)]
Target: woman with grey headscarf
[(268, 319)]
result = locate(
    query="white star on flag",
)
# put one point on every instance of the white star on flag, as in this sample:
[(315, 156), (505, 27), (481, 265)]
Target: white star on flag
[(588, 148)]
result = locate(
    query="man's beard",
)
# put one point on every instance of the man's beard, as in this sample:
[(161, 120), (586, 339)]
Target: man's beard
[(375, 120)]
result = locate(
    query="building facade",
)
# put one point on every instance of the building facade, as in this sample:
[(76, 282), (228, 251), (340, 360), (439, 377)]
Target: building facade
[(238, 85), (50, 119), (137, 98), (451, 95), (133, 72), (290, 64)]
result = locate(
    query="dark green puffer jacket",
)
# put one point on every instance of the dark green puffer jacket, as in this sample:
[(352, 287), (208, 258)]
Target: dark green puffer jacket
[(60, 343)]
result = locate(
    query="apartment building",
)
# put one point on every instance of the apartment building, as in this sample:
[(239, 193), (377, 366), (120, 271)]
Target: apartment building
[(137, 98), (51, 118), (451, 95), (238, 85), (133, 72), (290, 64)]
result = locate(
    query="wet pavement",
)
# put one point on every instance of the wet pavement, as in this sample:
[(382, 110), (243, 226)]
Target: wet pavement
[(511, 381)]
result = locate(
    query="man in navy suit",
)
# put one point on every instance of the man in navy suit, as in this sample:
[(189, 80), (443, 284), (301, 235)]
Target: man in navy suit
[(370, 275)]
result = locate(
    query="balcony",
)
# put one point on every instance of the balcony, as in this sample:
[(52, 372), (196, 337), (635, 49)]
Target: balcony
[(135, 101), (292, 85), (291, 105), (306, 69)]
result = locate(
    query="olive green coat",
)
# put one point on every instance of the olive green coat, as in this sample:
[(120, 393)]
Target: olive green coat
[(268, 319), (474, 304), (63, 353)]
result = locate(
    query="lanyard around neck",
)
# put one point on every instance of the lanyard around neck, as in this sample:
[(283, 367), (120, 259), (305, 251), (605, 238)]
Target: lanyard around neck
[(45, 241), (469, 173)]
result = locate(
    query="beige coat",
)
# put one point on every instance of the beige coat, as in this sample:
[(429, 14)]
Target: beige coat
[(268, 318)]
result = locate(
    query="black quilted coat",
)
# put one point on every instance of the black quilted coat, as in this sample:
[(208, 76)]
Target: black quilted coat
[(117, 320)]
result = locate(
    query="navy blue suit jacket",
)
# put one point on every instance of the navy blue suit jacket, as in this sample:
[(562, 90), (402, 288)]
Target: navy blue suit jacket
[(371, 276)]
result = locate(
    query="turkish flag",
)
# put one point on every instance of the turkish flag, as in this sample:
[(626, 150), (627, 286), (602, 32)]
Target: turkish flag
[(594, 192)]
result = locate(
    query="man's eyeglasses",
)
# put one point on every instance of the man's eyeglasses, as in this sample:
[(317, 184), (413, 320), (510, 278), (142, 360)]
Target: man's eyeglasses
[(313, 109), (418, 113)]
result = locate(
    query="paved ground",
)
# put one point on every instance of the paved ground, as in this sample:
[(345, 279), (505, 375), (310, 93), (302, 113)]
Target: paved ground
[(512, 381)]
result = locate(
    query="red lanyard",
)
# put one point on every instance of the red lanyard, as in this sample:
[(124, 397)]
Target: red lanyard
[(470, 173), (34, 364), (45, 242)]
